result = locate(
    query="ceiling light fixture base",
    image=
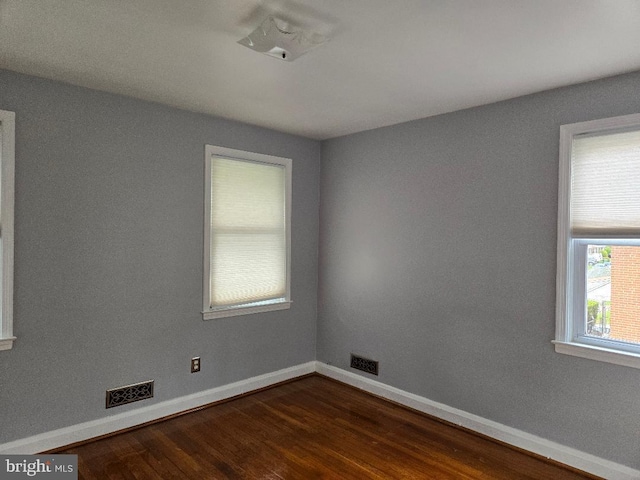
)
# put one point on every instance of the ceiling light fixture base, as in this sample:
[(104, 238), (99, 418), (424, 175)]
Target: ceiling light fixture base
[(278, 39)]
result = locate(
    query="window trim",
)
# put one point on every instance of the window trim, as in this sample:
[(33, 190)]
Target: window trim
[(209, 313), (7, 156), (568, 293)]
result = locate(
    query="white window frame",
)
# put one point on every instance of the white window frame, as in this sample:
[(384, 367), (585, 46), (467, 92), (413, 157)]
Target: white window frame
[(572, 259), (7, 160), (208, 312)]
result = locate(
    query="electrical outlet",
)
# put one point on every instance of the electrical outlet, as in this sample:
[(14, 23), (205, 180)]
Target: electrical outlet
[(195, 364)]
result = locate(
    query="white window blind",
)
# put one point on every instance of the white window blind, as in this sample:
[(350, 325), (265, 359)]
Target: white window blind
[(605, 184), (248, 237)]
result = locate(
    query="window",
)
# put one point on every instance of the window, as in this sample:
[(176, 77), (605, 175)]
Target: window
[(7, 161), (598, 278), (247, 233)]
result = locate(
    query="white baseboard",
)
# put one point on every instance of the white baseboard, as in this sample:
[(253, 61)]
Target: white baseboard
[(569, 456), (95, 428)]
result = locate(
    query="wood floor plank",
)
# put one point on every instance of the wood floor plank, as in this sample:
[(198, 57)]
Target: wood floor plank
[(312, 428)]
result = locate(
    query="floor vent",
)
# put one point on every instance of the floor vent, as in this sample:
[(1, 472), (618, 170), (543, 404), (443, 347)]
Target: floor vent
[(364, 364), (130, 393)]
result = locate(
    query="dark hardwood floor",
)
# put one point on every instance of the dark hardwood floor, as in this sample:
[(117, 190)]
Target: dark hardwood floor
[(310, 428)]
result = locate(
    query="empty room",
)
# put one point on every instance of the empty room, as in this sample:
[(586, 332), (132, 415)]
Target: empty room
[(320, 239)]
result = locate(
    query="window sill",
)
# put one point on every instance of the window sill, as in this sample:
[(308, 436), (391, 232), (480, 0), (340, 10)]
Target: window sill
[(235, 311), (601, 354), (6, 343)]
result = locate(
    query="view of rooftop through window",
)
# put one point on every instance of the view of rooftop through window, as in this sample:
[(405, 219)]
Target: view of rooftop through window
[(613, 292)]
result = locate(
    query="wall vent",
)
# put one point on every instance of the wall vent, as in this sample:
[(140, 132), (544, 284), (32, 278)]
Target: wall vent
[(130, 393), (364, 364)]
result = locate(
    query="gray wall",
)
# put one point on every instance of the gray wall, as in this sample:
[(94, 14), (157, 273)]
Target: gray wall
[(437, 258), (108, 256)]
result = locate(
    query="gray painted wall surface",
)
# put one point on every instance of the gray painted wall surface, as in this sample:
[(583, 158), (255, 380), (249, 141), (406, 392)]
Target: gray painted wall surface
[(437, 258), (108, 256)]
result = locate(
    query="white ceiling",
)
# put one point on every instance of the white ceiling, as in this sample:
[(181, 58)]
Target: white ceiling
[(387, 61)]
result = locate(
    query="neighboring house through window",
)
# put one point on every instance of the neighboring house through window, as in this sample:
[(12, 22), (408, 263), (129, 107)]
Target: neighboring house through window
[(7, 163), (598, 278), (246, 233)]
